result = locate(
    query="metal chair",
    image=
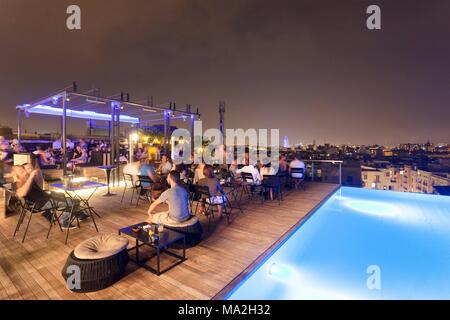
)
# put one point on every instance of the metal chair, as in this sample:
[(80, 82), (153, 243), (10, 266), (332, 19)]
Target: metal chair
[(32, 208), (129, 184), (61, 205), (272, 182), (201, 194), (144, 186), (249, 185), (296, 180)]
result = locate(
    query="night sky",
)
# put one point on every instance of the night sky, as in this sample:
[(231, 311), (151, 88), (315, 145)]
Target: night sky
[(310, 68)]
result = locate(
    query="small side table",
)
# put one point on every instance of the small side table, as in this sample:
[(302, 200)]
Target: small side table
[(108, 170), (167, 237)]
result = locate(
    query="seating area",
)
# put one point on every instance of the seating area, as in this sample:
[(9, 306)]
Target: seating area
[(224, 251), (195, 227)]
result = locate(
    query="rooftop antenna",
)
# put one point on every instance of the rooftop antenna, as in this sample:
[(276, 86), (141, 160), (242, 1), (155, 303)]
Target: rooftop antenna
[(222, 117)]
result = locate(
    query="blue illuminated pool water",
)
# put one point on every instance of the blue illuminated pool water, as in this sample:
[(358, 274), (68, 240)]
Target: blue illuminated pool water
[(361, 244)]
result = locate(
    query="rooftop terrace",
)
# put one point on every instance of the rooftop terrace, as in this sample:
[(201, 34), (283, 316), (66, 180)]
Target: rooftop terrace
[(32, 270)]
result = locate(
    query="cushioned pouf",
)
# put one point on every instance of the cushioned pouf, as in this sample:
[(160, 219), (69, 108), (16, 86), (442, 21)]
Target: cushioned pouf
[(192, 229), (100, 260)]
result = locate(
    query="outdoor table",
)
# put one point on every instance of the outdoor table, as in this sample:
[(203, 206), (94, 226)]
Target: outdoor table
[(166, 238), (74, 194), (108, 170)]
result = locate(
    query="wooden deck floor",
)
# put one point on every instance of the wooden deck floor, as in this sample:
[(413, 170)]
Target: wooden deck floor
[(33, 270)]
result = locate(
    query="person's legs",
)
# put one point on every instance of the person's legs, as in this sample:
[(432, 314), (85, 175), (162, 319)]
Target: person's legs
[(65, 205)]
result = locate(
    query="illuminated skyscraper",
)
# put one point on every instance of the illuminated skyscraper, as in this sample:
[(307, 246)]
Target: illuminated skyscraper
[(286, 142)]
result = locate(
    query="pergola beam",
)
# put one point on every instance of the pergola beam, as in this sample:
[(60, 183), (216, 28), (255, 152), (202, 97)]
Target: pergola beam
[(62, 104)]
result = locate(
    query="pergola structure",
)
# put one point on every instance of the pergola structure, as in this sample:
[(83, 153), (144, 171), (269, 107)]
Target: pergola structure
[(116, 109)]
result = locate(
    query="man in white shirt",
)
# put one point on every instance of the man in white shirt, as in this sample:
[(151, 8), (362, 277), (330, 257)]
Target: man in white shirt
[(166, 166), (249, 168), (297, 163)]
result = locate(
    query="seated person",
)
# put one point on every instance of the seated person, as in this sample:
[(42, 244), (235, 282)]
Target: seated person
[(198, 172), (166, 166), (79, 156), (17, 147), (137, 154), (44, 157), (27, 180), (248, 168), (267, 170), (39, 178), (183, 170), (218, 195), (147, 170), (6, 155), (297, 163), (234, 171), (297, 177), (50, 155), (177, 199), (283, 166)]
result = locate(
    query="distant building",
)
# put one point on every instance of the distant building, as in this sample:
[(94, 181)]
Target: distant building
[(405, 179), (379, 178), (285, 142), (415, 180)]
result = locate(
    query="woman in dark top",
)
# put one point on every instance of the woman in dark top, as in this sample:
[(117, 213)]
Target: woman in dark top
[(216, 192)]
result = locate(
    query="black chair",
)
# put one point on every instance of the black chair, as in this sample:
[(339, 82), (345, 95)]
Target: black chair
[(272, 183), (249, 184), (296, 180), (31, 208), (61, 205), (129, 185), (201, 194), (144, 186)]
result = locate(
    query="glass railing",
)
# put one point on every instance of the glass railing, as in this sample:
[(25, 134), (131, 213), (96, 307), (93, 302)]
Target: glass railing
[(328, 171)]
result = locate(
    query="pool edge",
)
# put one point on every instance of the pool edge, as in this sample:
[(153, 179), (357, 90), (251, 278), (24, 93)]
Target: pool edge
[(254, 264)]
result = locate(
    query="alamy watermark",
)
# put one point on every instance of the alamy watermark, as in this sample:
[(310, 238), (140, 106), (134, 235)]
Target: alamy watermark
[(73, 21), (373, 22), (374, 280), (73, 281), (237, 146)]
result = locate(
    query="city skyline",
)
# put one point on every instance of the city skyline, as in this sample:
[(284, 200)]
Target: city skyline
[(311, 69)]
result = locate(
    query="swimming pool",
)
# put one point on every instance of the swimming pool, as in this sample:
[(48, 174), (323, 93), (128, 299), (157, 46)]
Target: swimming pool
[(360, 244)]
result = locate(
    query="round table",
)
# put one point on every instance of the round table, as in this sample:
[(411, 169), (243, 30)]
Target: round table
[(108, 170)]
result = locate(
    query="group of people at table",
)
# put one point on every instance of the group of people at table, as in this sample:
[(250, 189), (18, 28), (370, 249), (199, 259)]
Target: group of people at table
[(27, 178), (168, 180), (51, 155), (172, 182)]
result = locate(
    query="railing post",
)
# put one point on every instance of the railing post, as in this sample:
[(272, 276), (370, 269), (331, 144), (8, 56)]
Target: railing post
[(340, 173), (312, 171)]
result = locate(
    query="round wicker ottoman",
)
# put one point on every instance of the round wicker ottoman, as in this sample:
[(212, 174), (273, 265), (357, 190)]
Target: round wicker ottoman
[(96, 263), (192, 229)]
